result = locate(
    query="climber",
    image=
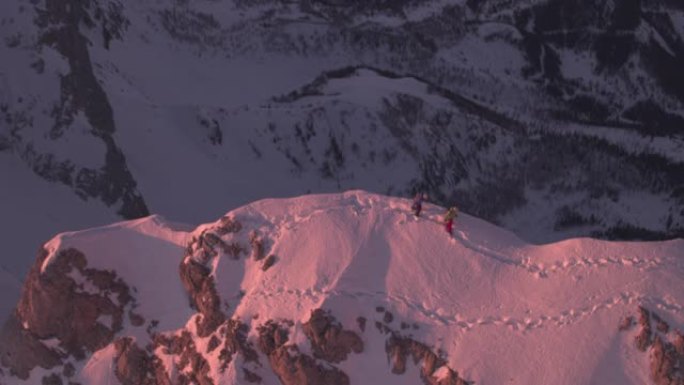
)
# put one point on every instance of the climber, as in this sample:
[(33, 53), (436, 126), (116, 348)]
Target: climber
[(449, 219), (418, 203)]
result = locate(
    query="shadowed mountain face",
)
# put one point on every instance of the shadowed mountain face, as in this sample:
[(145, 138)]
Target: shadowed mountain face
[(552, 118)]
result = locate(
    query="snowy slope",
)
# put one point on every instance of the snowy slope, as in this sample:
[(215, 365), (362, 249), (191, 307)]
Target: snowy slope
[(495, 308), (159, 104)]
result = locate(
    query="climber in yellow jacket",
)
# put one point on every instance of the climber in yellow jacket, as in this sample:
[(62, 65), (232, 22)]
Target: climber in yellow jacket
[(449, 217)]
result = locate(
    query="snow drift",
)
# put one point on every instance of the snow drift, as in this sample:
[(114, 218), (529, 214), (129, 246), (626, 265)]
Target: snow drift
[(344, 289)]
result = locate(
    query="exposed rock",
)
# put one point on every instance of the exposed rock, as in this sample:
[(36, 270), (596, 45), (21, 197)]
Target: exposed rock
[(228, 225), (388, 317), (199, 284), (213, 344), (258, 247), (133, 366), (270, 261), (627, 323), (328, 340), (210, 242), (234, 249), (136, 319), (645, 337), (184, 347), (361, 321), (235, 336), (399, 348), (661, 325), (21, 351), (151, 326), (679, 343), (46, 310), (382, 328), (666, 363), (294, 368), (271, 337), (666, 357), (290, 365)]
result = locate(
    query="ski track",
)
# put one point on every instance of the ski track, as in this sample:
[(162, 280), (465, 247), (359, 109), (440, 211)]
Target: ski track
[(539, 270), (526, 324)]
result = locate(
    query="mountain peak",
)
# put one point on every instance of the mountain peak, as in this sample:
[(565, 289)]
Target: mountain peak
[(345, 288)]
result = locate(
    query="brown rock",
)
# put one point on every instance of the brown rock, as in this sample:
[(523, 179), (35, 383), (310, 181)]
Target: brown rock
[(47, 306), (399, 348), (235, 337), (21, 351), (665, 363), (184, 347), (228, 225), (270, 261), (361, 321), (666, 358), (199, 285), (234, 250), (258, 247), (679, 344), (136, 319), (132, 365), (627, 323), (295, 368), (213, 344), (661, 325), (644, 339), (290, 365), (271, 337), (328, 340), (388, 317), (382, 328)]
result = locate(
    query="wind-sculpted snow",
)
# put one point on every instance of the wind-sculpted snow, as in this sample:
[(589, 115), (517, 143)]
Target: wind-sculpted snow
[(362, 292)]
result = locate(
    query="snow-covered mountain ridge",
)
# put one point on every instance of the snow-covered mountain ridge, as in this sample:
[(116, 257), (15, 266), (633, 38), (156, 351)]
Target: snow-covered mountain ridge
[(553, 119), (344, 289)]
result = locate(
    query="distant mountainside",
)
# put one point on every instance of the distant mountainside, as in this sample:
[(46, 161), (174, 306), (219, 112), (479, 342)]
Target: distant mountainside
[(554, 119), (343, 289)]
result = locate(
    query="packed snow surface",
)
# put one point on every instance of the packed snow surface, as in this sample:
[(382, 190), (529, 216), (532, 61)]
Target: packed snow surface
[(503, 311)]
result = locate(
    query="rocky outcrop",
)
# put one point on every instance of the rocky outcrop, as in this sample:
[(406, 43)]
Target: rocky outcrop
[(400, 348), (197, 278), (328, 340), (645, 337), (269, 262), (290, 365), (234, 334), (21, 351), (54, 305), (199, 284), (434, 369), (193, 367), (665, 348), (134, 366)]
